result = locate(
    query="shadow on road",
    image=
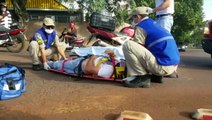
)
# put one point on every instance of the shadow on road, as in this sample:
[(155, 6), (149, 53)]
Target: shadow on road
[(3, 50), (63, 77), (186, 114), (17, 115), (18, 64), (111, 116)]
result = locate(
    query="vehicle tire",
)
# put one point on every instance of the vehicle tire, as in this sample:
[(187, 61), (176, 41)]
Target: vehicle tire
[(17, 44), (182, 50)]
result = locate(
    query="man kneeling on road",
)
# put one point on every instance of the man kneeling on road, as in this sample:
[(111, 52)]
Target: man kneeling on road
[(45, 43), (153, 50)]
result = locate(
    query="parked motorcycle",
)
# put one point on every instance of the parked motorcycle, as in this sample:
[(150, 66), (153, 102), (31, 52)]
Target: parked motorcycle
[(102, 26), (71, 40), (13, 39), (101, 37)]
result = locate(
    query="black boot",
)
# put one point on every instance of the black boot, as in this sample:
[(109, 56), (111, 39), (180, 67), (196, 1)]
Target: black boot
[(37, 67), (140, 81), (156, 78)]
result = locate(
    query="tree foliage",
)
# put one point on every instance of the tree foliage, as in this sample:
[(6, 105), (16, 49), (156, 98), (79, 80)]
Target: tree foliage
[(188, 19), (92, 5), (21, 14), (149, 3)]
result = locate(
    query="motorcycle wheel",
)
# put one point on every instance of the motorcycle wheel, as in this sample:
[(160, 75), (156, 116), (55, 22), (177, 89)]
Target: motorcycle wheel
[(17, 44)]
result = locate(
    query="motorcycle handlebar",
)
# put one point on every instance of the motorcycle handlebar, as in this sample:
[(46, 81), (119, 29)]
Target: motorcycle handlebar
[(62, 34), (64, 30)]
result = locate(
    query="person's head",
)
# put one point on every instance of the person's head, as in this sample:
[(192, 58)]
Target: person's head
[(138, 14), (3, 7), (71, 24), (48, 25)]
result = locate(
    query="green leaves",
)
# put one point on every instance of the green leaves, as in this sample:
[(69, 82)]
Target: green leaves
[(188, 19)]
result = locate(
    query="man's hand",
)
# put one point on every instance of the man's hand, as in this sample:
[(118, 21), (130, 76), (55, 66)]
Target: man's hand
[(110, 53), (46, 66)]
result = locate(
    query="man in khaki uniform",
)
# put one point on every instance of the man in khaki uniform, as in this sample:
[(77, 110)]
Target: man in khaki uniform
[(45, 43), (151, 54)]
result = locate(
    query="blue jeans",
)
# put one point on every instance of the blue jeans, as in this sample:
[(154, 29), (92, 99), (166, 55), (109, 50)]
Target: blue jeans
[(69, 66), (165, 22)]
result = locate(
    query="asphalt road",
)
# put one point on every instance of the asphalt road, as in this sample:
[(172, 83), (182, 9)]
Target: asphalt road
[(52, 96)]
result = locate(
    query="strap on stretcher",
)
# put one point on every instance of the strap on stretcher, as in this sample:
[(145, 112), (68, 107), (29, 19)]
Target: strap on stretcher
[(101, 61)]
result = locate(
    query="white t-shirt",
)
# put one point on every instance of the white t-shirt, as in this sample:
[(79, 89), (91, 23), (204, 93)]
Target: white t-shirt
[(106, 70), (170, 9), (7, 20)]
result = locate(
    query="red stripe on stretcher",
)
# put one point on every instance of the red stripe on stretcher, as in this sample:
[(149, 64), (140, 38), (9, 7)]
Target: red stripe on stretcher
[(207, 117), (86, 76), (63, 64), (113, 64)]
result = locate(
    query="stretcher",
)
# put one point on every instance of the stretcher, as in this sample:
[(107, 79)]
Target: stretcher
[(112, 78)]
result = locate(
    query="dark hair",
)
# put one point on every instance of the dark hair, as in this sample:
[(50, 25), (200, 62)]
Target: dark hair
[(3, 4)]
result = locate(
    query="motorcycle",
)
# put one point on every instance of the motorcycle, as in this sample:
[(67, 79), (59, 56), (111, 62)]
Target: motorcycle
[(13, 39), (101, 37), (71, 40)]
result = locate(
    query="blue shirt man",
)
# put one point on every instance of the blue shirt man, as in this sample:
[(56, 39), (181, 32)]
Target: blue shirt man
[(44, 44), (152, 51)]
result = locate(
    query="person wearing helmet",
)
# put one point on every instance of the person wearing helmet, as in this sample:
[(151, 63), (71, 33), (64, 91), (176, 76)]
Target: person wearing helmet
[(72, 30), (71, 34), (151, 54), (5, 17), (45, 43)]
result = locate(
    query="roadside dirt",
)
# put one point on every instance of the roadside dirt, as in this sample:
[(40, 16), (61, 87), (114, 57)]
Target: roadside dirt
[(52, 96)]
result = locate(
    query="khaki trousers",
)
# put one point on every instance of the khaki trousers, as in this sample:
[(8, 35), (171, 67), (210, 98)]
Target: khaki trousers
[(141, 61), (35, 54)]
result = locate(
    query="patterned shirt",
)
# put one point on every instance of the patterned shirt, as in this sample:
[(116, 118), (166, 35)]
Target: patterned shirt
[(6, 21)]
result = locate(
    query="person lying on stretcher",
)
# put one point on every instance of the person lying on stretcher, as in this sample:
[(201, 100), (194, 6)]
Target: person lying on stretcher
[(93, 65)]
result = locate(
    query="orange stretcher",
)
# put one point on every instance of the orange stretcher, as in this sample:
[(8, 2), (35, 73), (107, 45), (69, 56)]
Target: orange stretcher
[(116, 77)]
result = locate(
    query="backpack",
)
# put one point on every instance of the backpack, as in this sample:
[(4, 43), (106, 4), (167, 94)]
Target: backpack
[(12, 81)]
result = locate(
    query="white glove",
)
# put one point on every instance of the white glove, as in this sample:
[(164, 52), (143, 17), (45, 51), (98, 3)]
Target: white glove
[(46, 66), (150, 10)]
